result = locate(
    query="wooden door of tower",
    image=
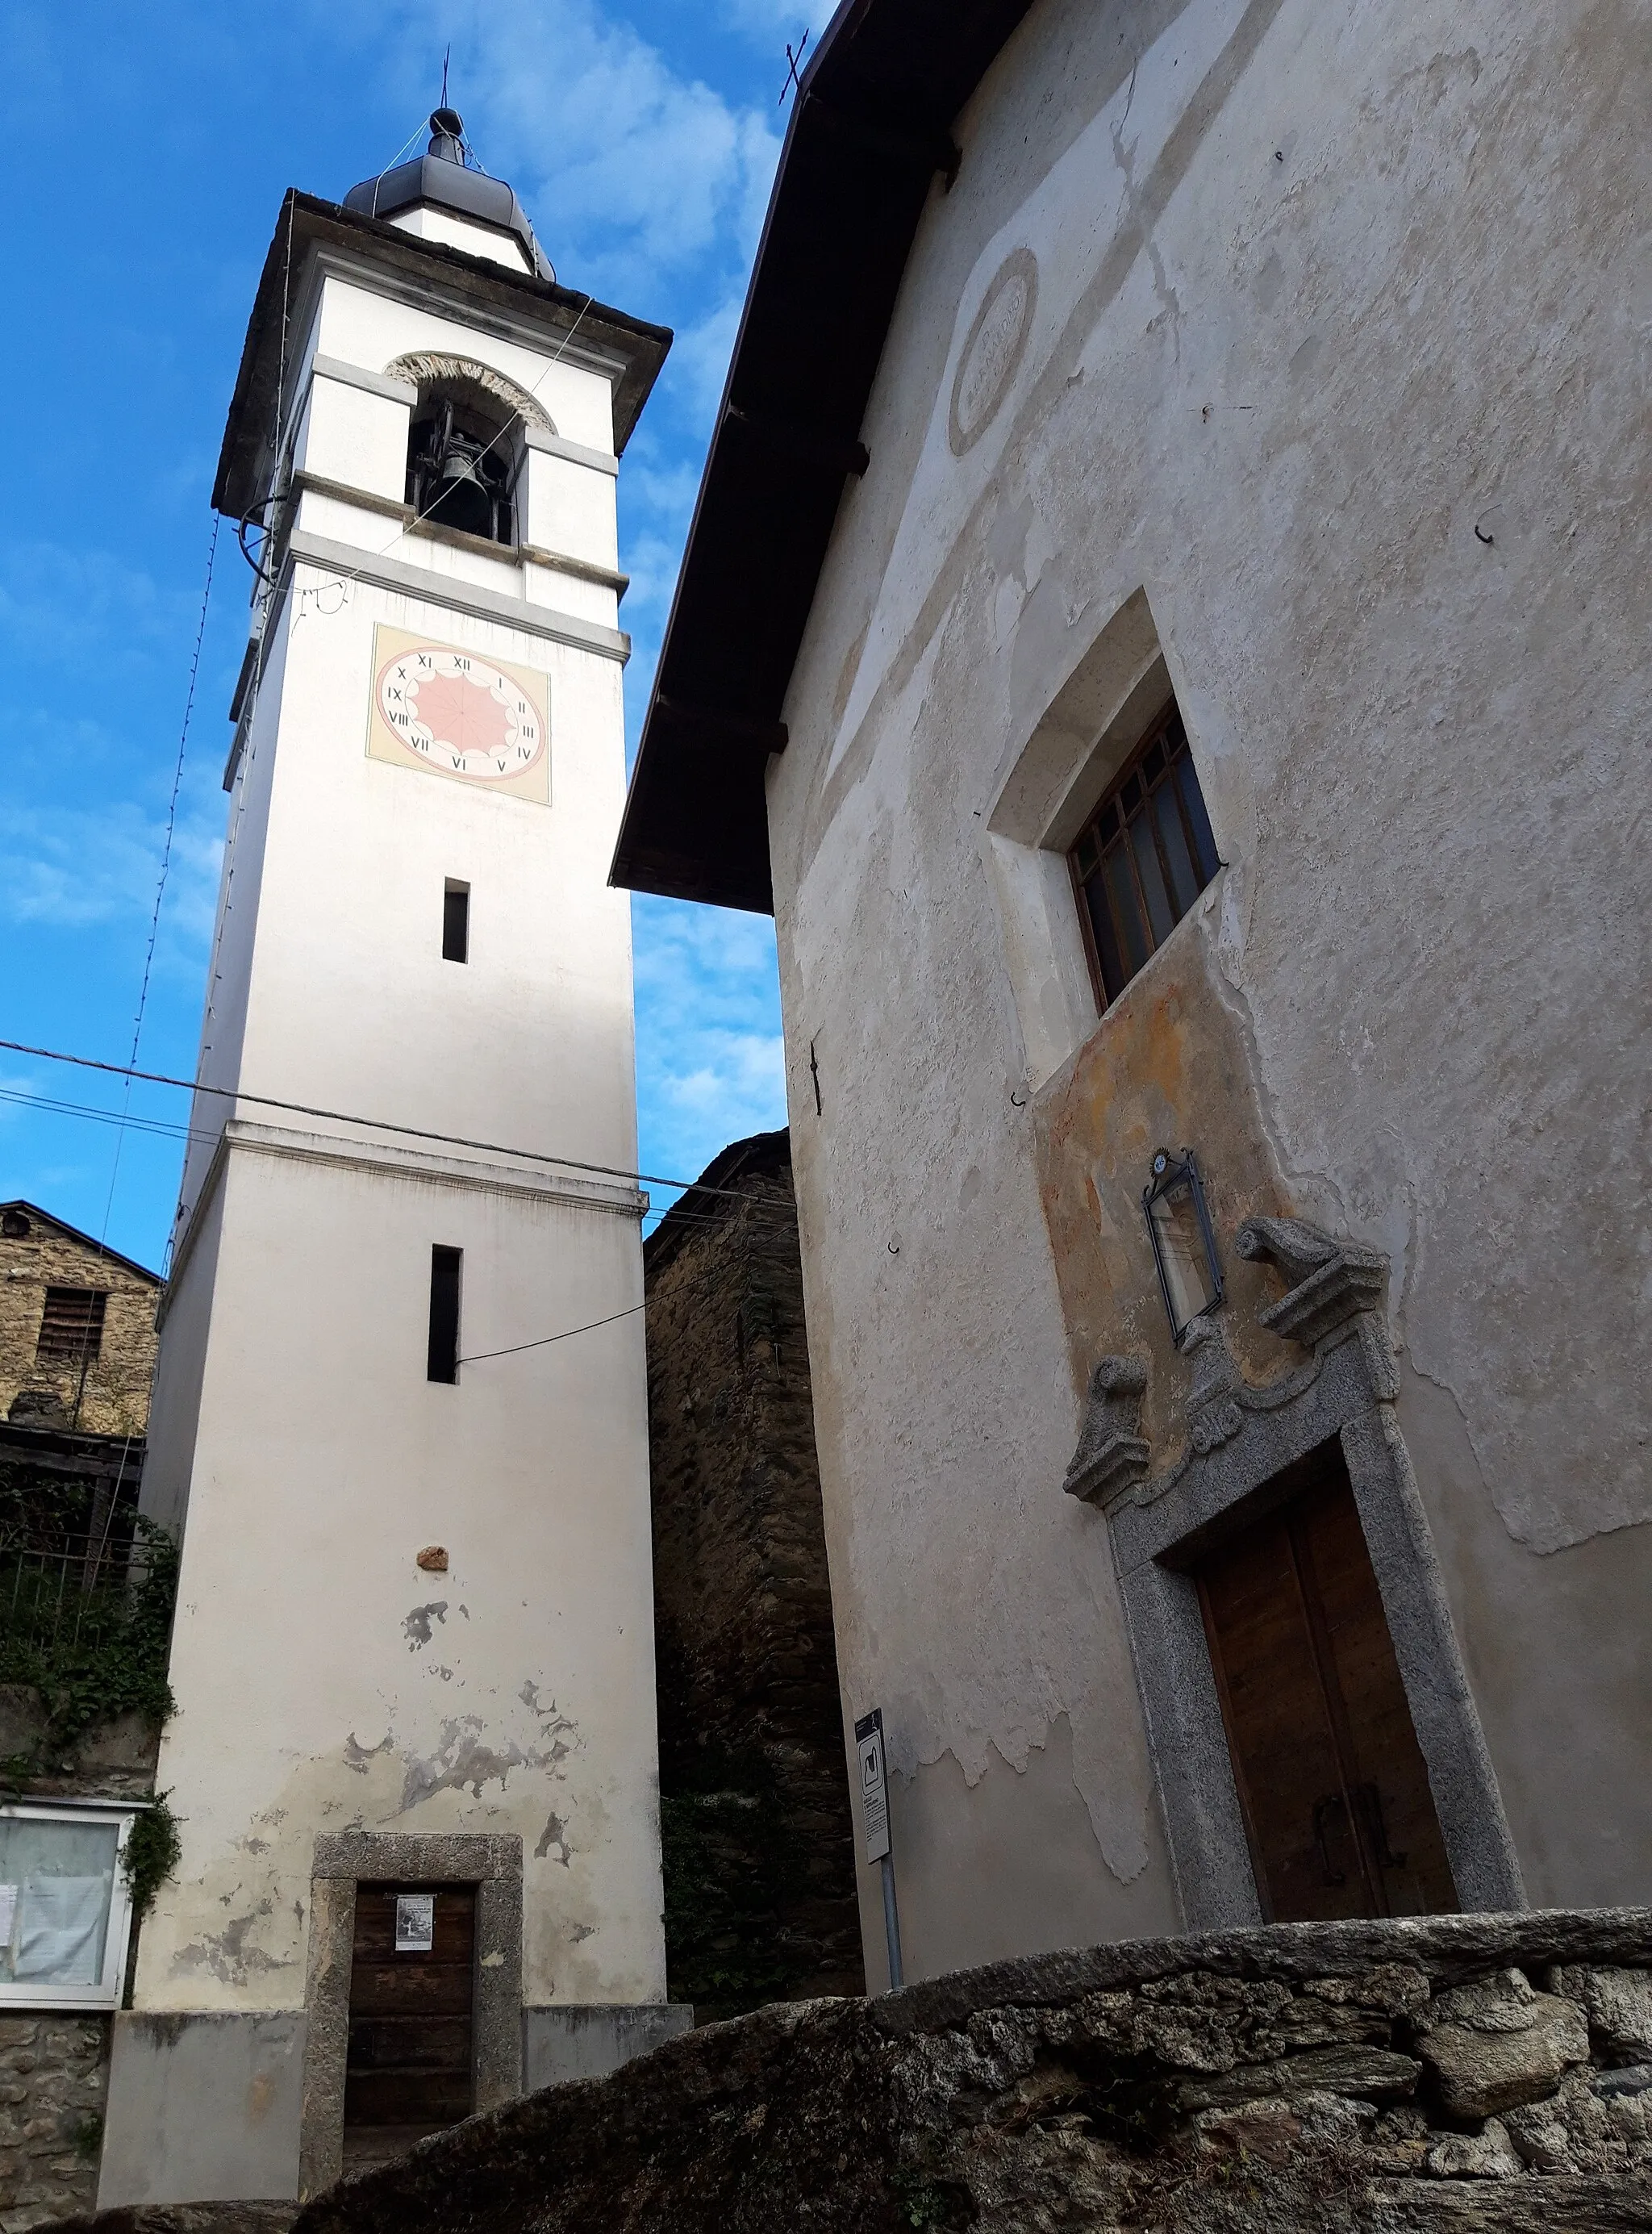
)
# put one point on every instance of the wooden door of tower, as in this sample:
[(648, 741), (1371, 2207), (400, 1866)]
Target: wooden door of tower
[(412, 1988), (1331, 1779)]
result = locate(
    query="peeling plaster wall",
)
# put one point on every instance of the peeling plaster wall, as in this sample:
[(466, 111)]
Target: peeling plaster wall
[(325, 1682), (1338, 349)]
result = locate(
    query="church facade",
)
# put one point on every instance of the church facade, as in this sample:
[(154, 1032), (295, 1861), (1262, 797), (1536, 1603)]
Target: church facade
[(1165, 631), (413, 1759)]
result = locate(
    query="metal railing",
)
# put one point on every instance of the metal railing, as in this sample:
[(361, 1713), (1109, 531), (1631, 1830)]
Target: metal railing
[(76, 1593)]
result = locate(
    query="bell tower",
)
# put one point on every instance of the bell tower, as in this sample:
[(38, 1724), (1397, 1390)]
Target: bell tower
[(412, 1761)]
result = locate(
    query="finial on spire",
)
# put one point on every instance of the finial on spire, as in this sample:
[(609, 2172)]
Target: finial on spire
[(448, 135)]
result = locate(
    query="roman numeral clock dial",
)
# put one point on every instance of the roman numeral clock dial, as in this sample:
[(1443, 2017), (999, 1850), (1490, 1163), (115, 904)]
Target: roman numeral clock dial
[(457, 715)]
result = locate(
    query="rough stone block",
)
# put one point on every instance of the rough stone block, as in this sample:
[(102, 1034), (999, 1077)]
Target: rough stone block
[(1540, 2138), (1494, 2045), (1619, 2002), (1372, 2074), (1484, 2155)]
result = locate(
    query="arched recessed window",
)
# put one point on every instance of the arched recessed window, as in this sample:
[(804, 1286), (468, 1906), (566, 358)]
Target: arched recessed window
[(461, 464)]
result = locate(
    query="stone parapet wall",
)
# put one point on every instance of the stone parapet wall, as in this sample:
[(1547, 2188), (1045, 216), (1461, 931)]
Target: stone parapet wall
[(1459, 2071), (54, 2077)]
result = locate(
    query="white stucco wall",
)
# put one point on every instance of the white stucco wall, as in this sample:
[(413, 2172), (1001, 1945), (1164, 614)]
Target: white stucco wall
[(1321, 293), (325, 1682)]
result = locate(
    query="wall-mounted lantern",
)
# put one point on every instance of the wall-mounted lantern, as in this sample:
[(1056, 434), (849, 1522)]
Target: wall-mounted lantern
[(1178, 1220)]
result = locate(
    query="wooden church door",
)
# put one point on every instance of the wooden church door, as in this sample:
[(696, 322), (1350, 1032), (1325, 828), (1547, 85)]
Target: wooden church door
[(413, 1984), (1331, 1779)]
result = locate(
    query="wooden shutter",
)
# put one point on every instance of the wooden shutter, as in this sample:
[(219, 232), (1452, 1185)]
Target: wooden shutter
[(1331, 1778)]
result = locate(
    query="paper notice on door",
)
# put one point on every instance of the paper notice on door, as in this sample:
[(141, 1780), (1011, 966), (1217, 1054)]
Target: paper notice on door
[(7, 1914), (415, 1923)]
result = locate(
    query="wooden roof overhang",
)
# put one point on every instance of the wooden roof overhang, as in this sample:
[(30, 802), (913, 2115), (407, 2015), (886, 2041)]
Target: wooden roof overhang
[(871, 126)]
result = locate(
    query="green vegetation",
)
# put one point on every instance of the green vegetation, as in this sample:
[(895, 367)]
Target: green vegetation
[(153, 1852), (91, 1646)]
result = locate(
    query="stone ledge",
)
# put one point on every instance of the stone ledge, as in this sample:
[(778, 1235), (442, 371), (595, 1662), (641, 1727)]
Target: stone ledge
[(1446, 1949)]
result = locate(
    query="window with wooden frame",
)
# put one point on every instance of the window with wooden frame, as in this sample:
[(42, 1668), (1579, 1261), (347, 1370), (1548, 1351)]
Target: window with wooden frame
[(1144, 857)]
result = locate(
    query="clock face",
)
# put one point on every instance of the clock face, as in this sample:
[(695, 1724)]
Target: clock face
[(460, 714)]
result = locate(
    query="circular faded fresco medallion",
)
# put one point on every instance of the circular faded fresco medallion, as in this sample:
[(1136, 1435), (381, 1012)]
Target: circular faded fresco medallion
[(992, 349)]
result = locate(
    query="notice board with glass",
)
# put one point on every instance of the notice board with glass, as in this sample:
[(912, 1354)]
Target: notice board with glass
[(65, 1906)]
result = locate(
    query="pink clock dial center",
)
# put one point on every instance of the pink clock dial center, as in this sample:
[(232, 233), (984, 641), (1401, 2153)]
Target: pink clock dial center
[(461, 714)]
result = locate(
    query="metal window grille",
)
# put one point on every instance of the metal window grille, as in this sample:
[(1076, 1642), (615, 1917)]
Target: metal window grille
[(1144, 857), (71, 1328)]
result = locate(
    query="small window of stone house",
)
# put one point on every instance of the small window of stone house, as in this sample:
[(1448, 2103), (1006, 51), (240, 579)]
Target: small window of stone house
[(461, 465), (1144, 857), (71, 1326)]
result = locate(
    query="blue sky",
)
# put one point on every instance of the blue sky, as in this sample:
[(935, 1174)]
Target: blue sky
[(150, 151)]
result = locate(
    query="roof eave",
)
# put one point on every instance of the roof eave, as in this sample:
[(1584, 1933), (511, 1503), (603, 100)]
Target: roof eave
[(869, 130)]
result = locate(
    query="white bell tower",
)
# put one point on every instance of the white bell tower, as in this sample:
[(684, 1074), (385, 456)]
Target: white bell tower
[(413, 1755)]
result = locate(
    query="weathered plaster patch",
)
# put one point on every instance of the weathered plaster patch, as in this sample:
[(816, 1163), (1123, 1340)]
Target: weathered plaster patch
[(466, 1761), (554, 1834), (416, 1627), (226, 1954), (1166, 1068), (358, 1756)]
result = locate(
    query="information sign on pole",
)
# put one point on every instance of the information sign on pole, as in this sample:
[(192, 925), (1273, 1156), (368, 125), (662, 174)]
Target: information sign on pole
[(874, 1792)]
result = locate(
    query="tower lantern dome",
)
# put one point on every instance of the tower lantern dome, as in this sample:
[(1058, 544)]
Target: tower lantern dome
[(440, 196)]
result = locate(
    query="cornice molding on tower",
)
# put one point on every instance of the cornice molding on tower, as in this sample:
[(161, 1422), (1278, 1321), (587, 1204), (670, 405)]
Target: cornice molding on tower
[(445, 590), (244, 1136), (357, 375)]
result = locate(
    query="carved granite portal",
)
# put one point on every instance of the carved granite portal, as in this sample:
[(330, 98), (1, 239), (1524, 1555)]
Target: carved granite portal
[(1240, 1438)]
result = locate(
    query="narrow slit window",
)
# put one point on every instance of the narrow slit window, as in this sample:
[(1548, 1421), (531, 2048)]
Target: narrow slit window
[(71, 1326), (455, 922), (1144, 857), (445, 1265)]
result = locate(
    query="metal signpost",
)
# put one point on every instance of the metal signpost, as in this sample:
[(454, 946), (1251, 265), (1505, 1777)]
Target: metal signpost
[(874, 1805)]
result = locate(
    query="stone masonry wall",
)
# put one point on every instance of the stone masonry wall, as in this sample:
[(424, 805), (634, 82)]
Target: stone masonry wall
[(54, 2076), (114, 1398), (760, 1868), (1472, 2072)]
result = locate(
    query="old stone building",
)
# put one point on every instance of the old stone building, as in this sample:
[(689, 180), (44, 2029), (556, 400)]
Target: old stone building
[(77, 1328), (760, 1898), (1165, 628), (84, 1612)]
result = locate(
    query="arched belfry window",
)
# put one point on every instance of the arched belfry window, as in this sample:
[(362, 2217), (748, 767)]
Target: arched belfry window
[(462, 459)]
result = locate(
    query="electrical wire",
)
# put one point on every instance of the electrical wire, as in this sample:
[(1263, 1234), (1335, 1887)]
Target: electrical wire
[(516, 1349), (372, 1124), (166, 867)]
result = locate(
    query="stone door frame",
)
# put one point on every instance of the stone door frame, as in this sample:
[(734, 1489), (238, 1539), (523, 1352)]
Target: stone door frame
[(494, 1865), (1241, 1440)]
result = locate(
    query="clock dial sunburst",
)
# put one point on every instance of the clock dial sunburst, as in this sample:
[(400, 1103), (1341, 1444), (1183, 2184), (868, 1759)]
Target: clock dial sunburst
[(442, 708), (461, 713)]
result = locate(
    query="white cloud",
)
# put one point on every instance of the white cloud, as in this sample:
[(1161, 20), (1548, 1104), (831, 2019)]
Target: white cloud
[(700, 359), (743, 1076), (629, 170), (775, 22), (711, 1058), (75, 869)]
